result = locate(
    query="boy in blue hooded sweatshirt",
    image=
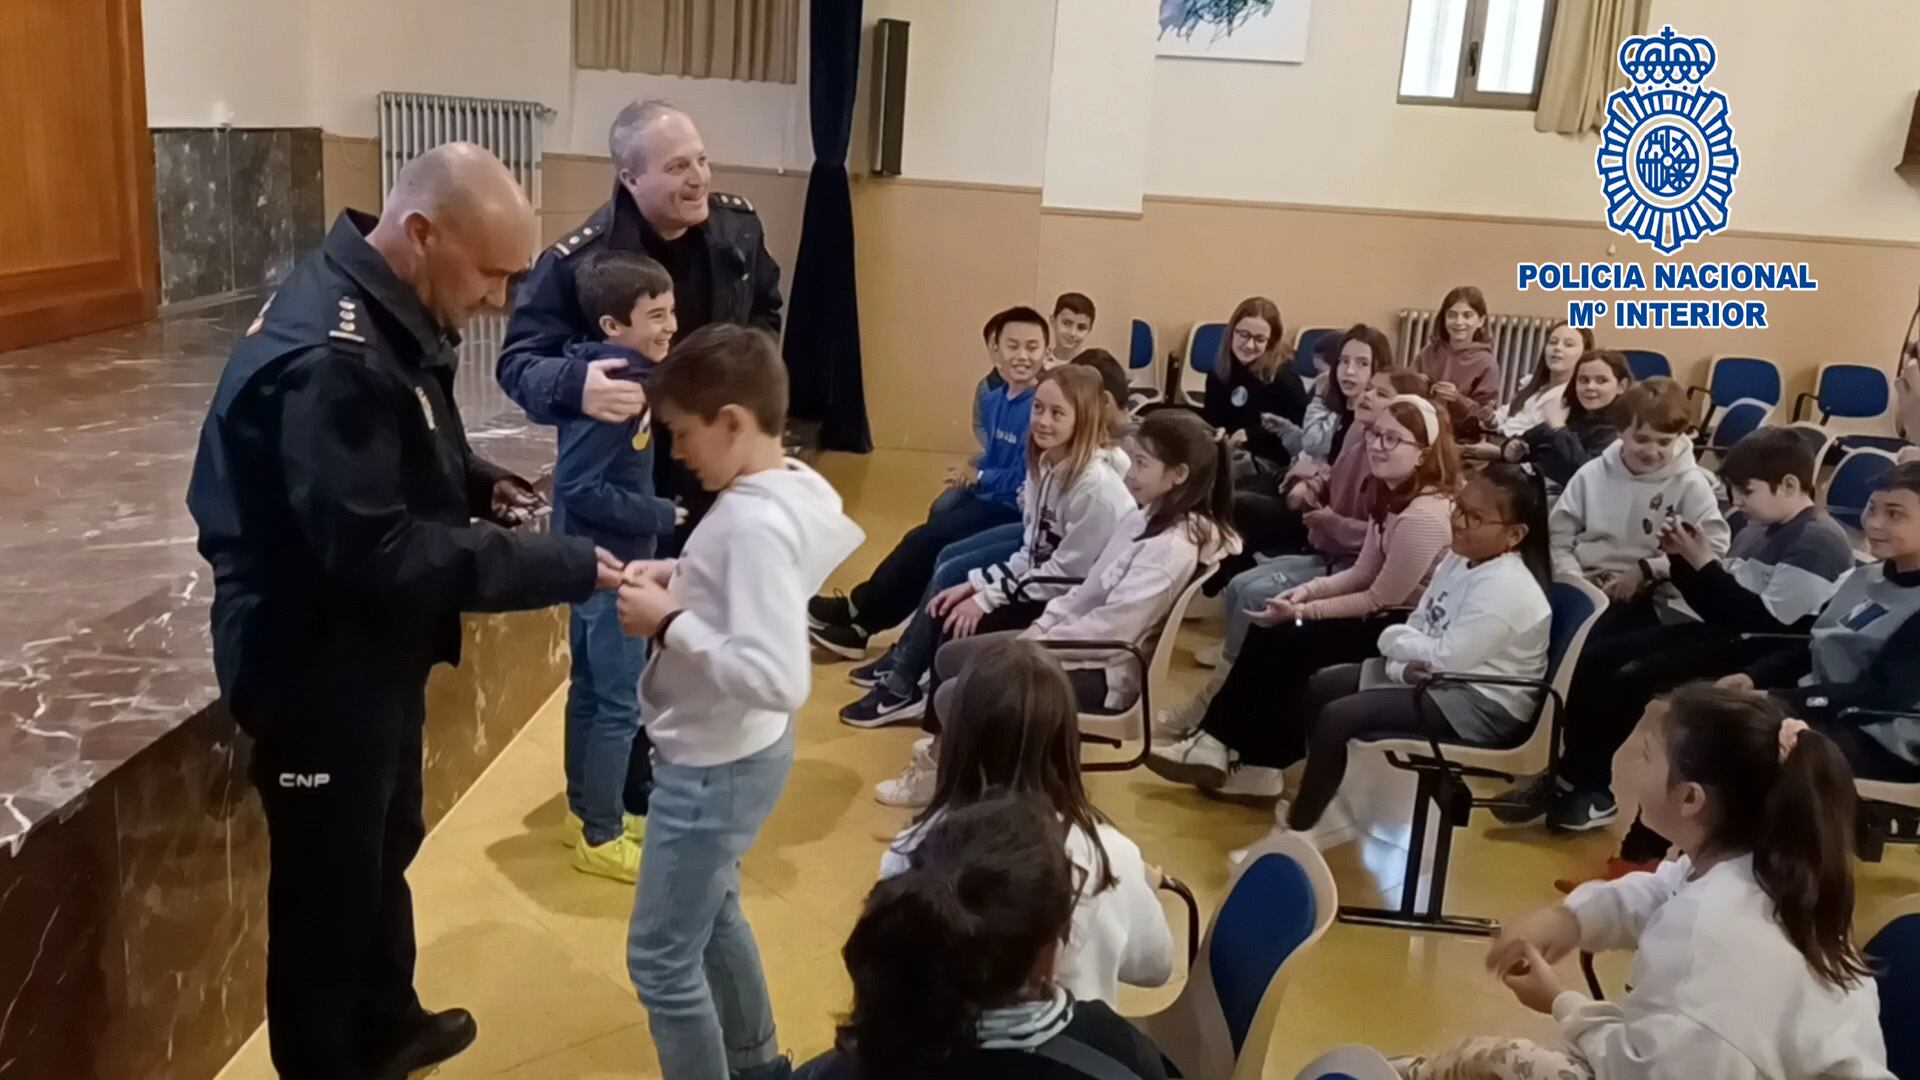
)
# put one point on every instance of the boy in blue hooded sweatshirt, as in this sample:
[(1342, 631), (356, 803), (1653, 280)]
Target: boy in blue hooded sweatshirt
[(603, 489), (981, 495)]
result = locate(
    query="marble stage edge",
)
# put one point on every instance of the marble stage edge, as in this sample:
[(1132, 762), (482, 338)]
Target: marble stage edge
[(132, 849)]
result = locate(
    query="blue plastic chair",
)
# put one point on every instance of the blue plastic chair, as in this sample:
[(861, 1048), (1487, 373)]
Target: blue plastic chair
[(1895, 954), (1279, 902), (1647, 364), (1203, 351), (1730, 378), (1847, 490), (1146, 375), (1442, 767), (1304, 344), (1849, 391), (1741, 419), (1350, 1063)]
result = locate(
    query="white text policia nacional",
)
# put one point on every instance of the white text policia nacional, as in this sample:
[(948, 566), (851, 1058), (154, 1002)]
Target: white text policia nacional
[(1668, 277)]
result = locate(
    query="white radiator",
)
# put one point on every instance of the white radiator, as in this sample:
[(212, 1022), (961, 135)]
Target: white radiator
[(411, 124), (1518, 341)]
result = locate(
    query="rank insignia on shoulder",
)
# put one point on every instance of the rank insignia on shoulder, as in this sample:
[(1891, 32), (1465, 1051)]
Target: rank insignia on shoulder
[(260, 320), (347, 328), (731, 202), (426, 408), (575, 240)]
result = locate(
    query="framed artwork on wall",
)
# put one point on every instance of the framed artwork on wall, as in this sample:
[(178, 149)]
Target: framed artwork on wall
[(1274, 31)]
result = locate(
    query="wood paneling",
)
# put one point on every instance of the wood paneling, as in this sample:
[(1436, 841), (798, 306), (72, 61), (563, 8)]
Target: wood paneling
[(76, 167)]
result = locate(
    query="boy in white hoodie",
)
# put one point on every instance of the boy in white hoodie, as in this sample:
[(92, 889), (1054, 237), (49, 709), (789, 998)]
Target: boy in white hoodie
[(730, 665), (1607, 528)]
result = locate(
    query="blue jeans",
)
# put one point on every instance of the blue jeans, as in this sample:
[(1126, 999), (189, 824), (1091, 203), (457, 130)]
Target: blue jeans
[(1252, 589), (606, 750), (690, 951), (886, 598), (913, 653)]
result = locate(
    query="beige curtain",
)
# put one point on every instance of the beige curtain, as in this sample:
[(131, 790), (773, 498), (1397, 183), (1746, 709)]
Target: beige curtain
[(1583, 62), (744, 40)]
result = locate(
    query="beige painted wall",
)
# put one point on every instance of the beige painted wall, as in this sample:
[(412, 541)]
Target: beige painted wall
[(349, 173), (936, 259)]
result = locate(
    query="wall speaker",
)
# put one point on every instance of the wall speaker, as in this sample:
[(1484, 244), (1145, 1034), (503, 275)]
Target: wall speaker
[(889, 122)]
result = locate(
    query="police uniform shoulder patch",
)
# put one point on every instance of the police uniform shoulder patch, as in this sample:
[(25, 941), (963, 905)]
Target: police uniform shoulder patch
[(730, 202), (346, 325), (576, 240)]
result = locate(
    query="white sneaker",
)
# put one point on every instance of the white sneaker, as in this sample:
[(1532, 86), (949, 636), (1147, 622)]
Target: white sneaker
[(1251, 783), (1200, 760), (913, 788), (1211, 656), (1173, 725)]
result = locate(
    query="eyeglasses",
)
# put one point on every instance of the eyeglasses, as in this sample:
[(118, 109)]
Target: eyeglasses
[(1248, 337), (1473, 519), (1387, 441)]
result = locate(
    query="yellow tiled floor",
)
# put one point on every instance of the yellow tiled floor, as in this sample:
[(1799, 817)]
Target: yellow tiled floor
[(536, 950)]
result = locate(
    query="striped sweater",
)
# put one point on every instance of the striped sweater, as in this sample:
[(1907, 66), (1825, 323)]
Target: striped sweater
[(1395, 562)]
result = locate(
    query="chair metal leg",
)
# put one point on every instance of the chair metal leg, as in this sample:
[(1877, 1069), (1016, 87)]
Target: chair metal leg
[(1431, 790)]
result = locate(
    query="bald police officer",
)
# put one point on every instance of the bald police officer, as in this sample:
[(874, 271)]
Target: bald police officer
[(335, 493), (711, 243)]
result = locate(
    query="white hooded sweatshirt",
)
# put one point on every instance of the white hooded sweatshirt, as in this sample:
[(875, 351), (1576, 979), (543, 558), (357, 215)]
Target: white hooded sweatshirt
[(1609, 517), (736, 663), (1065, 528)]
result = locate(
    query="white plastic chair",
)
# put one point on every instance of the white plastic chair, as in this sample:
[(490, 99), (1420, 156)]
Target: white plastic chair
[(1279, 902), (1443, 767), (1118, 729)]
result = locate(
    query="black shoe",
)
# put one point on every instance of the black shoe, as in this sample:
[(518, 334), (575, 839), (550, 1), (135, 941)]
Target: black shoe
[(1532, 797), (436, 1037), (1583, 810), (825, 611), (881, 707), (847, 642), (868, 676)]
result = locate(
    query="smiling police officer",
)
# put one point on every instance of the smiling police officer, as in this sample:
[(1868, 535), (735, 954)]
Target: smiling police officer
[(335, 493), (712, 245)]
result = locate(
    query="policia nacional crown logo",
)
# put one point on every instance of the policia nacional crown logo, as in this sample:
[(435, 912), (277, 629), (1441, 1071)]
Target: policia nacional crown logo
[(1667, 159)]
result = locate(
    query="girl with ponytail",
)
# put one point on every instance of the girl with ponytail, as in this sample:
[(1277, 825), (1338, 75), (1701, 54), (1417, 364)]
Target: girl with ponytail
[(953, 962), (1745, 964)]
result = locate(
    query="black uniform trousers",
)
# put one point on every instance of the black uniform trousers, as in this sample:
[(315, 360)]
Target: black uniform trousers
[(343, 807)]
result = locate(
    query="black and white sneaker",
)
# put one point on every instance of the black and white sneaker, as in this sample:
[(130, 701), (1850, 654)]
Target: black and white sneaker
[(1583, 810), (868, 676), (1530, 800), (846, 642), (824, 611), (882, 707)]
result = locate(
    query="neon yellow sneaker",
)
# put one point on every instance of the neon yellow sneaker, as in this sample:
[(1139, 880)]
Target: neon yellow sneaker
[(571, 830), (634, 827), (618, 858)]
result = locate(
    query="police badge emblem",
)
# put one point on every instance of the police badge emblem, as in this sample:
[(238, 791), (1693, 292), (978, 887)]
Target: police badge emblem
[(1667, 160)]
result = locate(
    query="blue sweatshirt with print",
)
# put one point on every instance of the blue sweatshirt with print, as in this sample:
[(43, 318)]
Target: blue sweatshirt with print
[(603, 476), (1003, 465)]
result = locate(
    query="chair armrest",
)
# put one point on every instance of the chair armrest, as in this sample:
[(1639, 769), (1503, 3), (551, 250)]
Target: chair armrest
[(1452, 678), (1694, 391), (1856, 711), (1174, 885), (1020, 589), (1800, 400)]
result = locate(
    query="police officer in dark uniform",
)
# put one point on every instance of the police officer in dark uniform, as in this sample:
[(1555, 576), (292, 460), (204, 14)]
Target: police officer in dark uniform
[(336, 494), (711, 243)]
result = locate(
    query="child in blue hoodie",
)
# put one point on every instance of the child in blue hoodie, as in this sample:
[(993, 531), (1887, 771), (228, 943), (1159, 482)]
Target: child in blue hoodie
[(980, 495), (603, 489)]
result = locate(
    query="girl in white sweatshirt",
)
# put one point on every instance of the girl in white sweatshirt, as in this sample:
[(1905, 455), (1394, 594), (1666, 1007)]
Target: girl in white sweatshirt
[(1014, 729), (1744, 964), (1181, 479), (1073, 500)]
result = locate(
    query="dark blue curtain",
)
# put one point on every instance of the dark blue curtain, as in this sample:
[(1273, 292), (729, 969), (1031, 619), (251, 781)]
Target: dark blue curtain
[(823, 321)]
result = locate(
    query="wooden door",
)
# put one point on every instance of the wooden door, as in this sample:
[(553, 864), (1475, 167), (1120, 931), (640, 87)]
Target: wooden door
[(76, 170)]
